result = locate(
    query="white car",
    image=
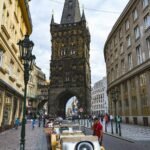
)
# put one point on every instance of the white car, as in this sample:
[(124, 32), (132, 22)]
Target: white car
[(70, 137)]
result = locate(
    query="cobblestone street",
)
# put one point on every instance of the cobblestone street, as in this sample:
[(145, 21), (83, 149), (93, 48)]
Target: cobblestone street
[(35, 139), (133, 132)]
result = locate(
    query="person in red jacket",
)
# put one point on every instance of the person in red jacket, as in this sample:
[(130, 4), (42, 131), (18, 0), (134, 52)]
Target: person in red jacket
[(98, 130)]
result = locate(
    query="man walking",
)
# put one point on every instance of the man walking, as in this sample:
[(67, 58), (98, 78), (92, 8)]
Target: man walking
[(98, 130)]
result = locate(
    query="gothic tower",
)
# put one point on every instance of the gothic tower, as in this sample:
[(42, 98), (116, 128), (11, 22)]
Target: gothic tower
[(70, 73)]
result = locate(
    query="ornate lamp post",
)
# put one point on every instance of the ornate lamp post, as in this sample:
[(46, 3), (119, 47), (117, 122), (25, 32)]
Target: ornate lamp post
[(25, 47), (114, 95)]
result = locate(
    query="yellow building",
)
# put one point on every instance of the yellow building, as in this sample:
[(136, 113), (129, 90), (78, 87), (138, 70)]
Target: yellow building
[(15, 22)]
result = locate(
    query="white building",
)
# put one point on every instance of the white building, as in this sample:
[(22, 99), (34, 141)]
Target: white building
[(99, 101)]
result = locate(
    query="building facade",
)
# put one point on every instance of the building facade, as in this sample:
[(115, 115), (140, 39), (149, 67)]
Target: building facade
[(70, 73), (37, 91), (15, 22), (127, 56), (99, 101)]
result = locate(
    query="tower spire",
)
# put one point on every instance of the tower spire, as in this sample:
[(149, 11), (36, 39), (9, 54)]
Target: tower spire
[(71, 12), (52, 19), (83, 16)]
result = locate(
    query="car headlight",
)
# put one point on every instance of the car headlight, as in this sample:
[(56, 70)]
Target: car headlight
[(84, 146)]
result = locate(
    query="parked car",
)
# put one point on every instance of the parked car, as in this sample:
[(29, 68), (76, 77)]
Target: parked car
[(70, 137)]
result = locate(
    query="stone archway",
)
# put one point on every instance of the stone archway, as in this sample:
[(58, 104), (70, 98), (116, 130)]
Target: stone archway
[(58, 101), (62, 100)]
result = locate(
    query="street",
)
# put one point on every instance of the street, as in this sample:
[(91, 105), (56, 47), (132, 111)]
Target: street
[(113, 143), (36, 139)]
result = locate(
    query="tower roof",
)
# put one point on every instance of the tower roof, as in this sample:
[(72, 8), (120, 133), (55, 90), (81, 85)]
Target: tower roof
[(71, 12)]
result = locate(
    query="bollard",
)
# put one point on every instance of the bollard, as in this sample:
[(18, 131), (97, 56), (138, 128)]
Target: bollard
[(119, 126), (112, 132)]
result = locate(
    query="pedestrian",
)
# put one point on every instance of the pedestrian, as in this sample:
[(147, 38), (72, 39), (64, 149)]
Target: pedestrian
[(44, 120), (17, 122), (40, 118), (106, 121), (33, 123), (98, 130)]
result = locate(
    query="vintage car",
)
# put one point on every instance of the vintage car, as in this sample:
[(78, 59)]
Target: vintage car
[(70, 137)]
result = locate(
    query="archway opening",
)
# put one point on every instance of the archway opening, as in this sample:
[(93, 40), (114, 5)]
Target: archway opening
[(72, 108)]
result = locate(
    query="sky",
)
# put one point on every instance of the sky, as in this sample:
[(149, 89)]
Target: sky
[(101, 15)]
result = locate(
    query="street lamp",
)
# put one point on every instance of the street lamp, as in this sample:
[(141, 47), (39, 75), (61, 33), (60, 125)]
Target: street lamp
[(25, 47), (114, 95)]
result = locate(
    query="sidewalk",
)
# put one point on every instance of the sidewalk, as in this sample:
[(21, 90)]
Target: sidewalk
[(35, 139), (131, 132), (128, 131)]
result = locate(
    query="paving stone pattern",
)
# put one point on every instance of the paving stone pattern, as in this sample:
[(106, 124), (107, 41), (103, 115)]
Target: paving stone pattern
[(35, 139), (133, 132)]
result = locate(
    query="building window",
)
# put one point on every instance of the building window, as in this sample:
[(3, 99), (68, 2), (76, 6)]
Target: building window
[(127, 24), (139, 55), (70, 3), (137, 32), (117, 71), (148, 45), (62, 52), (69, 17), (1, 57), (67, 77), (135, 14), (11, 68), (122, 66), (120, 33), (143, 91), (73, 52), (121, 48), (112, 75), (146, 21), (128, 41), (115, 40), (116, 54), (111, 57), (145, 3), (130, 64)]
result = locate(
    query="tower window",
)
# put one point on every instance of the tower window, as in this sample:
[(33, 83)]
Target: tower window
[(67, 77), (70, 3), (62, 52), (69, 17)]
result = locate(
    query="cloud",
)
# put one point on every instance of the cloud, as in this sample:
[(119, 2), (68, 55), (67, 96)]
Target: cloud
[(100, 15)]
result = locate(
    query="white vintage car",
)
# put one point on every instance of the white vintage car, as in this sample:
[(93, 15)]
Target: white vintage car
[(70, 137)]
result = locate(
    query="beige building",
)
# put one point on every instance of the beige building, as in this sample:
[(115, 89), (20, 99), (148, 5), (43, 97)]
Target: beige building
[(37, 94), (127, 56), (15, 22)]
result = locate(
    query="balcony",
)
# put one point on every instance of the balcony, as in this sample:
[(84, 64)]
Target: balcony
[(4, 70), (12, 78), (4, 29), (18, 84)]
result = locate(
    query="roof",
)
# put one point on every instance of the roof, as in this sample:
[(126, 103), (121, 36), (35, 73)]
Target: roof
[(71, 12)]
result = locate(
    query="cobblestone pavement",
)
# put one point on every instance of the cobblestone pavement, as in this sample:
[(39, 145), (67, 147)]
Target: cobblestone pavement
[(35, 139), (133, 132)]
